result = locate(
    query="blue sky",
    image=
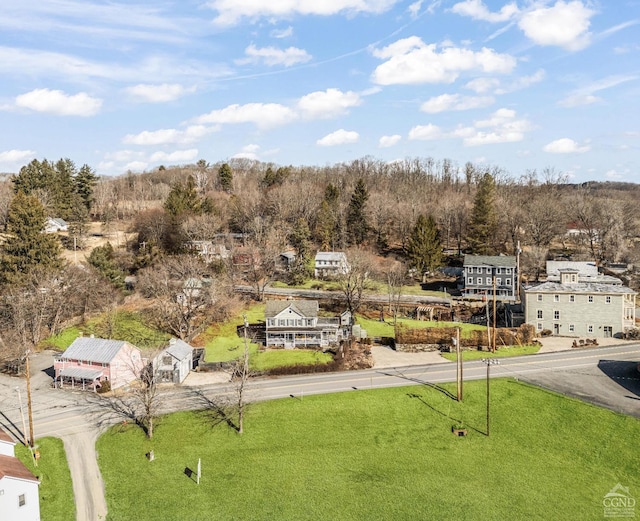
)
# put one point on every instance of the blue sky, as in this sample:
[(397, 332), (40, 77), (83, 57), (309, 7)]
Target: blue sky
[(521, 85)]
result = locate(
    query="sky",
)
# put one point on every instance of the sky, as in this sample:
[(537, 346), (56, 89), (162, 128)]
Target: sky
[(522, 85)]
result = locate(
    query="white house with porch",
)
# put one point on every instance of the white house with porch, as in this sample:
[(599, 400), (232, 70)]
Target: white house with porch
[(296, 324), (174, 363)]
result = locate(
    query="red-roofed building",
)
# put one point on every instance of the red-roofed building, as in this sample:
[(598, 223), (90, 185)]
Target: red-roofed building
[(19, 497)]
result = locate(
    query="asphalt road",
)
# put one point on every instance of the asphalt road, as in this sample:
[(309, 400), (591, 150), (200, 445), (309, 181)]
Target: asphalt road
[(604, 376)]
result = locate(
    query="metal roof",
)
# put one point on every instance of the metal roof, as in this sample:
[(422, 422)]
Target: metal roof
[(580, 287), (331, 255), (81, 372), (179, 349), (306, 308), (584, 267), (93, 349), (502, 261)]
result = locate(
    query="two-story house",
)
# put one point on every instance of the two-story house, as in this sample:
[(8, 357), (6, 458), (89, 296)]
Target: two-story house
[(485, 274), (89, 361), (330, 264), (568, 307), (295, 323)]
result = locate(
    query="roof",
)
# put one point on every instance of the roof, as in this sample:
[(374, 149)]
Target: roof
[(5, 437), (81, 372), (331, 255), (584, 268), (580, 287), (179, 349), (502, 261), (12, 467), (93, 349), (306, 308)]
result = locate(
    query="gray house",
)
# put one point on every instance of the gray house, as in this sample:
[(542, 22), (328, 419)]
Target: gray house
[(571, 308), (174, 363), (330, 264), (479, 272)]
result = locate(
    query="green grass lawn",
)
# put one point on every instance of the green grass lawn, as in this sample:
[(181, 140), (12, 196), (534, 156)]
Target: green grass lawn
[(501, 352), (379, 454), (379, 288), (386, 329), (223, 345), (124, 325), (56, 491)]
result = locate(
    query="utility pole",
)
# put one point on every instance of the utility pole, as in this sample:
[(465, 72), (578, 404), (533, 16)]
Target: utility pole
[(29, 406), (489, 362), (494, 315), (458, 364)]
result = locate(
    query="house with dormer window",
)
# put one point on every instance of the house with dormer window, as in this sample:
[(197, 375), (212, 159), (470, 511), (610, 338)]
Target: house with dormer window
[(296, 324)]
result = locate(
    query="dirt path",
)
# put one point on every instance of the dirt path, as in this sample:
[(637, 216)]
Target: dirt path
[(88, 487)]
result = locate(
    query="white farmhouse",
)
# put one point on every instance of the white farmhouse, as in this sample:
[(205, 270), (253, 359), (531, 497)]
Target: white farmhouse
[(19, 499)]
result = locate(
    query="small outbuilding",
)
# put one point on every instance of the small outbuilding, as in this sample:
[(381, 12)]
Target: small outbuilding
[(174, 363)]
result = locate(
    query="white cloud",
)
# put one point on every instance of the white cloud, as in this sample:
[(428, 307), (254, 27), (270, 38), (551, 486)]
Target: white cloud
[(248, 152), (578, 100), (136, 166), (584, 95), (169, 136), (565, 146), (16, 156), (274, 56), (157, 93), (446, 102), (411, 61), (478, 11), (230, 12), (389, 141), (179, 156), (482, 85), (523, 82), (327, 104), (263, 115), (502, 127), (425, 132), (282, 33), (57, 102), (414, 8), (565, 24), (339, 137)]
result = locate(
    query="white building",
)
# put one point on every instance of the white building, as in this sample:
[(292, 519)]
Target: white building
[(19, 498), (330, 264), (174, 363)]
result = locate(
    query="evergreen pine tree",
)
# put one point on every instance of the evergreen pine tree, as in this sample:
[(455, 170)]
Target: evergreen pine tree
[(483, 225), (225, 176), (424, 248), (84, 183), (27, 246), (357, 226)]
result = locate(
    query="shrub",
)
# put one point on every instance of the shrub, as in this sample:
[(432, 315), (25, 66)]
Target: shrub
[(105, 387)]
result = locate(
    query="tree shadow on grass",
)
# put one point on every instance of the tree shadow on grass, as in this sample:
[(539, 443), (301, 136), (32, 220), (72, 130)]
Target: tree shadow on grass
[(457, 421), (216, 412), (624, 373), (437, 387)]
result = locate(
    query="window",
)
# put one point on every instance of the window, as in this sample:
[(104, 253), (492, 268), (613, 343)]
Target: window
[(478, 270), (571, 328), (539, 313), (470, 280), (556, 298), (539, 298), (508, 282), (539, 326), (607, 299), (499, 281), (498, 270), (572, 298), (488, 281), (21, 500), (556, 315), (590, 298), (590, 328), (479, 281)]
